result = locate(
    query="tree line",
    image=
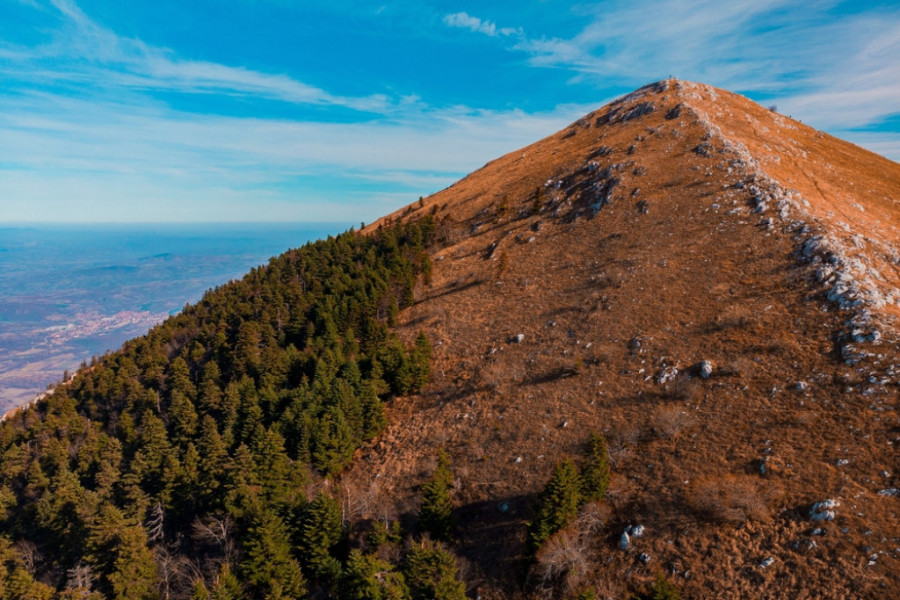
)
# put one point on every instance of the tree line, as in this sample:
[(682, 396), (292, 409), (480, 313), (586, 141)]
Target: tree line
[(177, 467)]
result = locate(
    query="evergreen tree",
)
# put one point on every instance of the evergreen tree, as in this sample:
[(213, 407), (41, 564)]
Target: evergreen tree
[(431, 573), (367, 577), (268, 566), (420, 362), (332, 442), (557, 505), (319, 532), (436, 513), (227, 586), (595, 470)]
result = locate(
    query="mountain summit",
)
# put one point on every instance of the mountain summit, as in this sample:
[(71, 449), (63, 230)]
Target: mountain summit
[(712, 285)]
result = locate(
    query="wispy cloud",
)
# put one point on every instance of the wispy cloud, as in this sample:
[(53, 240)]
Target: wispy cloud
[(464, 20), (153, 160), (836, 73), (83, 50)]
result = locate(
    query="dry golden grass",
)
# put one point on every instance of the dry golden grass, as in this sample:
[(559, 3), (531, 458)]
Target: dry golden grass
[(733, 498), (695, 277)]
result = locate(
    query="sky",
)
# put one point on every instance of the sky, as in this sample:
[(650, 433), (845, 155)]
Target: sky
[(275, 110)]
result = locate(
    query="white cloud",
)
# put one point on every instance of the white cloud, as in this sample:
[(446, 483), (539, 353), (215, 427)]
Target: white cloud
[(156, 161), (85, 51), (466, 21)]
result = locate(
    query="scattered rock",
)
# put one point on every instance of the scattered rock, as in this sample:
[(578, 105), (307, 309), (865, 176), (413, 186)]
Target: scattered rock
[(802, 386), (666, 375), (517, 339), (644, 558), (842, 462), (704, 149), (625, 541), (889, 492), (705, 369), (824, 510), (601, 151), (767, 562), (638, 110)]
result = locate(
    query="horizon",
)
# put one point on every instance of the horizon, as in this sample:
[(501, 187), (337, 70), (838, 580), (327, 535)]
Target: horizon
[(268, 112)]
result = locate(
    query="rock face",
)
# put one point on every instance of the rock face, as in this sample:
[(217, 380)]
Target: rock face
[(755, 243)]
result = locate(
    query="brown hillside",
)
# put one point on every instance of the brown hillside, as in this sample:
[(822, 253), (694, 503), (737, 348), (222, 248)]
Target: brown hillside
[(676, 225)]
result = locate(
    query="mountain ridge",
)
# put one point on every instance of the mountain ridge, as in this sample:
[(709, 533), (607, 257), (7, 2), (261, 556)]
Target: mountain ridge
[(653, 235)]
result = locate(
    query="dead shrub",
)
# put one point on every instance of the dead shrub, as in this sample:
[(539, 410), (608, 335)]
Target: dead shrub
[(742, 366), (563, 561), (686, 389), (670, 420), (736, 316), (566, 562), (733, 499)]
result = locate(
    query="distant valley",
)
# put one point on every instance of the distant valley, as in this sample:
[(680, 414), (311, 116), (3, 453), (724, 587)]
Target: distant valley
[(73, 292)]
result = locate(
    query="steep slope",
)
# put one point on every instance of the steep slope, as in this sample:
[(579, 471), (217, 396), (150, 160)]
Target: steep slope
[(584, 280)]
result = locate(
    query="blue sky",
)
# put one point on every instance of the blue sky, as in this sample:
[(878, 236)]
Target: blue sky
[(274, 110)]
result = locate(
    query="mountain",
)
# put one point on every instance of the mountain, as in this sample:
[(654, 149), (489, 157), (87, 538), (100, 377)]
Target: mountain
[(680, 224), (655, 351)]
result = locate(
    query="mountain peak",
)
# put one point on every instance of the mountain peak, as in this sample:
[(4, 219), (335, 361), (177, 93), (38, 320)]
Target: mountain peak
[(589, 280), (838, 202)]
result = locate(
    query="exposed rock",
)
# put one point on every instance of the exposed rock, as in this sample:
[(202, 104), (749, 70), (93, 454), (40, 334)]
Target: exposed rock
[(674, 112), (704, 149), (666, 374), (824, 510)]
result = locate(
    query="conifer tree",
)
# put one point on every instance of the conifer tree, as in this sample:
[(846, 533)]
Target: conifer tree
[(432, 574), (595, 470), (332, 442), (436, 513), (420, 361), (367, 577), (268, 566), (318, 532), (557, 505)]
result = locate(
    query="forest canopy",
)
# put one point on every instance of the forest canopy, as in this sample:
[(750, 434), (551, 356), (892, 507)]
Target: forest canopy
[(177, 466)]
